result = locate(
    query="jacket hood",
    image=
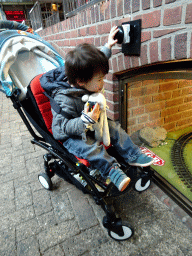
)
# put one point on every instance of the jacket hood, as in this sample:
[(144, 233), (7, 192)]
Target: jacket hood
[(56, 81)]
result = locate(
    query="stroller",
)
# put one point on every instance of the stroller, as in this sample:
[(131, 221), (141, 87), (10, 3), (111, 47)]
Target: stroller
[(24, 58)]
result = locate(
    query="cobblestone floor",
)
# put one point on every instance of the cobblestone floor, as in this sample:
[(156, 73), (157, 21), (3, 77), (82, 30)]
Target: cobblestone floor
[(65, 221)]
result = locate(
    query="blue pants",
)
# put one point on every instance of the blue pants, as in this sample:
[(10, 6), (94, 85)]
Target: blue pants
[(96, 153)]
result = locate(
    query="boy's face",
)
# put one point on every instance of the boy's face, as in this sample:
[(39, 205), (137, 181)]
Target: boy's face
[(95, 84)]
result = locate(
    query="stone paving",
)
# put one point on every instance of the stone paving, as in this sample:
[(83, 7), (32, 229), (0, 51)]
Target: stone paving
[(64, 221)]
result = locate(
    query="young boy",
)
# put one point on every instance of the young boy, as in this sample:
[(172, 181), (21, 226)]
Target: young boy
[(85, 68)]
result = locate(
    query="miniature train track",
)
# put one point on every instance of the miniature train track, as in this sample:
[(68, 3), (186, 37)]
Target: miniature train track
[(178, 161)]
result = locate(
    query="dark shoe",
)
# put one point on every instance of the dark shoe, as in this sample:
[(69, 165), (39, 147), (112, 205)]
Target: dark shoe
[(119, 178), (143, 161)]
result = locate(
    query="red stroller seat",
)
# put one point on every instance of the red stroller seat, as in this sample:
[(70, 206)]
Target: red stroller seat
[(43, 103)]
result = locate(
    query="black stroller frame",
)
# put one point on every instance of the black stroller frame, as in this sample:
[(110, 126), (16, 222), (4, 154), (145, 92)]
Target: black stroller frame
[(58, 161)]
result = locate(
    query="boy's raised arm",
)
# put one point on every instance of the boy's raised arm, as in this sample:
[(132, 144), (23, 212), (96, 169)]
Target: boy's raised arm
[(111, 41)]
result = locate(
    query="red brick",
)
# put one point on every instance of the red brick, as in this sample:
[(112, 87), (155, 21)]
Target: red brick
[(97, 41), (145, 4), (162, 96), (103, 7), (104, 40), (112, 115), (172, 16), (145, 36), (174, 102), (131, 103), (113, 107), (127, 62), (169, 111), (154, 115), (185, 122), (109, 76), (173, 118), (176, 93), (143, 119), (107, 12), (155, 123), (131, 121), (169, 86), (135, 5), (169, 127), (184, 83), (136, 84), (104, 28), (169, 1), (186, 91), (143, 56), (138, 111), (120, 62), (157, 3), (137, 92), (154, 56), (166, 49), (88, 16), (127, 6), (162, 32), (114, 64), (151, 20), (113, 9), (154, 107), (186, 106), (83, 32), (113, 87), (120, 7), (145, 100), (135, 61), (89, 40), (188, 98), (181, 46), (96, 13), (151, 89), (148, 82), (188, 17), (92, 30), (114, 97)]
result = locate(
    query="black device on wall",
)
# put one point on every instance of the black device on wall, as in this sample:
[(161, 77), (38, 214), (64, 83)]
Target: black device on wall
[(129, 35)]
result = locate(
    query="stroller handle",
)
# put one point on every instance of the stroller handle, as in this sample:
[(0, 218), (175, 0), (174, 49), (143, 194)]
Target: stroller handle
[(7, 24)]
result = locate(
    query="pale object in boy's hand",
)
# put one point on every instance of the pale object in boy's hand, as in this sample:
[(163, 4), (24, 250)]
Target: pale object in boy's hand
[(94, 113)]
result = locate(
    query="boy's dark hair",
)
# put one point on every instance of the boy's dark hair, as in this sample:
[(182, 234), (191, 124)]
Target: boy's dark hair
[(84, 62)]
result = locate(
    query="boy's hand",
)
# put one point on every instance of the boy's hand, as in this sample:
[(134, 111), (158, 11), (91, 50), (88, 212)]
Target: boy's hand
[(111, 41), (95, 113)]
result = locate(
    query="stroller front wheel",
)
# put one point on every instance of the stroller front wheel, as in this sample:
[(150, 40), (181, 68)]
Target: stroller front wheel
[(45, 181), (127, 230), (139, 186)]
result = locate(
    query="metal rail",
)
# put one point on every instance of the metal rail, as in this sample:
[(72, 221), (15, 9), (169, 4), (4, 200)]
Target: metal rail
[(178, 161)]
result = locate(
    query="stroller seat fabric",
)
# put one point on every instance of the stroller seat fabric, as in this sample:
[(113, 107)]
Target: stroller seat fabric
[(42, 102), (44, 106)]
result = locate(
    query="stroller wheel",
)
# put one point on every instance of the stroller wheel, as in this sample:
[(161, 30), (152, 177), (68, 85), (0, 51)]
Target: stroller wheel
[(45, 181), (139, 186), (127, 230)]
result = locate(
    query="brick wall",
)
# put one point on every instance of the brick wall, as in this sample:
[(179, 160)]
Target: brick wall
[(159, 102), (166, 35)]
